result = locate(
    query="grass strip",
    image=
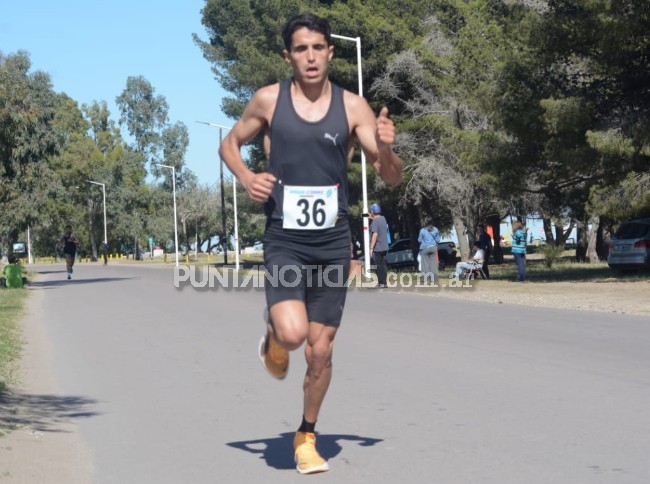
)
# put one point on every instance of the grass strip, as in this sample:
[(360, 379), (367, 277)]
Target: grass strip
[(12, 303)]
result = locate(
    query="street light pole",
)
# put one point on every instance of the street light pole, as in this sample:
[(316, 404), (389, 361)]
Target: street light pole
[(103, 185), (234, 202), (175, 219), (223, 197), (364, 182)]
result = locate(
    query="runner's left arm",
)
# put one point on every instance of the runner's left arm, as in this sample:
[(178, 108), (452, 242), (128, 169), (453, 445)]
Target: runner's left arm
[(376, 136)]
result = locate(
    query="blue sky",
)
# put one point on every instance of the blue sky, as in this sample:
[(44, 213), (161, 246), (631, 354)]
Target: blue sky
[(90, 48)]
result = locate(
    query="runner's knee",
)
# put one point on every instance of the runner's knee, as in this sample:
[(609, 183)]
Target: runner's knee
[(319, 357), (290, 329)]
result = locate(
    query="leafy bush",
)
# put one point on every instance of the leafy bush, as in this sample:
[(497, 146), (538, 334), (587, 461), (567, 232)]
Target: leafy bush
[(551, 253)]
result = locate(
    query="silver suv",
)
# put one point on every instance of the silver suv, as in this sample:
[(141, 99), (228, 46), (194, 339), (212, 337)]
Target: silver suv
[(629, 248)]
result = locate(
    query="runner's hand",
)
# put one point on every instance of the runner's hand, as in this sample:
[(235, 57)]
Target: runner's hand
[(259, 186), (385, 130)]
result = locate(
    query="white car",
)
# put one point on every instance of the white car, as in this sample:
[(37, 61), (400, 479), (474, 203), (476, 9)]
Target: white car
[(629, 247)]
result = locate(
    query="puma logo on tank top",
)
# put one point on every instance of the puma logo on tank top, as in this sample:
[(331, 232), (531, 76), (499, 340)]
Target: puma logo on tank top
[(332, 138)]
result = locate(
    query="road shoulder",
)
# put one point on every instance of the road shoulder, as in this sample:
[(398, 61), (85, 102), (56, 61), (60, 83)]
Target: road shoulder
[(45, 445)]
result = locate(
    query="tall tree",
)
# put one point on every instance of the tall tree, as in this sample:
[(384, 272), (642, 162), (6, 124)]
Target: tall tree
[(145, 115), (27, 110), (245, 48)]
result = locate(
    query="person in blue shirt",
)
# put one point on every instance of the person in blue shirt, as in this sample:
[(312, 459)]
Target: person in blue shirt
[(519, 249), (428, 238)]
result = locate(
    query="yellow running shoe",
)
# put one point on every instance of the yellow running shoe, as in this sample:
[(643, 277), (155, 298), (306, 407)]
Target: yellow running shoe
[(308, 460), (273, 356)]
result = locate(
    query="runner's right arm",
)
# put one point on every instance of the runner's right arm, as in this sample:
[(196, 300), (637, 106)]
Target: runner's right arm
[(256, 117)]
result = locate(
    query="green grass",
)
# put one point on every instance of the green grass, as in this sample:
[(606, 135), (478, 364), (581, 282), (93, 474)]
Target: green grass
[(537, 271), (12, 302)]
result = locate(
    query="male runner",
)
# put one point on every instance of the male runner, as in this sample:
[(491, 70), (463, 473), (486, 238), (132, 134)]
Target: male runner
[(69, 244), (310, 126)]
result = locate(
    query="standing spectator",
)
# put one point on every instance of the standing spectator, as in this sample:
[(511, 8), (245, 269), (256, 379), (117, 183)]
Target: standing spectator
[(379, 243), (485, 244), (69, 243), (428, 238), (519, 249)]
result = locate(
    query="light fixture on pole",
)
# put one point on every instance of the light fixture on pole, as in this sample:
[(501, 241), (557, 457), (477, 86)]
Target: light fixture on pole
[(364, 183), (104, 199), (175, 220), (223, 198)]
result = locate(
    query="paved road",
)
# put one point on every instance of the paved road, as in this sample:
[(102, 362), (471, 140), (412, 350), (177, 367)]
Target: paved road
[(426, 390)]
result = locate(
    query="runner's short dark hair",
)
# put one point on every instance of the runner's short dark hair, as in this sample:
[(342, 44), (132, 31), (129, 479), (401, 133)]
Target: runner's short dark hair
[(309, 21)]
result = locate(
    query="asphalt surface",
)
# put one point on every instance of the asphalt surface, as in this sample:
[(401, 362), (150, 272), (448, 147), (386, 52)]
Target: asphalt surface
[(166, 387)]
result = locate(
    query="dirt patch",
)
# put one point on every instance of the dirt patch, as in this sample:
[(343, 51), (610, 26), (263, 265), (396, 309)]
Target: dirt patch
[(622, 297)]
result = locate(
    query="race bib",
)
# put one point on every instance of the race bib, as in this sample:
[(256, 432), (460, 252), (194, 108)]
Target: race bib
[(310, 208)]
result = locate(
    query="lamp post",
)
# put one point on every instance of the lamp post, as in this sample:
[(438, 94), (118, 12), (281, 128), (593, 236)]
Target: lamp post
[(364, 183), (103, 185), (223, 200), (175, 220), (234, 203), (30, 259)]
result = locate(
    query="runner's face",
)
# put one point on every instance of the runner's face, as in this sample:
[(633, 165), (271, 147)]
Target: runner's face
[(310, 55)]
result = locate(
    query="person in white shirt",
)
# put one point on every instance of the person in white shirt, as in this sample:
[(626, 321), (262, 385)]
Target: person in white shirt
[(476, 262)]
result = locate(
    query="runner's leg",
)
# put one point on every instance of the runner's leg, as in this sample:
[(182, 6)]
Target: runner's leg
[(318, 353), (288, 325)]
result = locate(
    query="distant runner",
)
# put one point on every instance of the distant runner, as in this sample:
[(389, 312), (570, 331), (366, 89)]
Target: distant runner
[(69, 243)]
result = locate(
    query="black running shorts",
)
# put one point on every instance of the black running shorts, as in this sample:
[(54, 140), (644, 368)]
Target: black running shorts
[(309, 266)]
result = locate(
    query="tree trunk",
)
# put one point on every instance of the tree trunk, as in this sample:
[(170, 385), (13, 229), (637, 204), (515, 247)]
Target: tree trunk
[(567, 232), (548, 230), (136, 248), (463, 243), (583, 242), (494, 221), (602, 238), (187, 242), (413, 224), (4, 246), (592, 239), (559, 236)]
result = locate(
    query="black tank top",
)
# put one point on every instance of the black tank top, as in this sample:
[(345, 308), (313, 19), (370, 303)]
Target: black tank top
[(69, 247), (308, 153)]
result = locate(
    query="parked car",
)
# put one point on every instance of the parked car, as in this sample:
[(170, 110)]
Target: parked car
[(629, 247), (400, 255)]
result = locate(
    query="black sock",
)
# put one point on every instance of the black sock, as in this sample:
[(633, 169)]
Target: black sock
[(307, 426)]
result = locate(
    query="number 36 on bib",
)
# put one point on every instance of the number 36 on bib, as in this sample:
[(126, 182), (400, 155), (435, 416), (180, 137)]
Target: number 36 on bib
[(310, 208)]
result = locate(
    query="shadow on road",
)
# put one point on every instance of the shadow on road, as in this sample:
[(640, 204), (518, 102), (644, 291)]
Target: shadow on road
[(278, 451), (44, 413), (62, 271), (66, 282)]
